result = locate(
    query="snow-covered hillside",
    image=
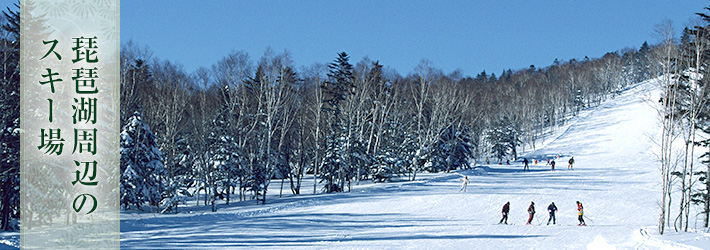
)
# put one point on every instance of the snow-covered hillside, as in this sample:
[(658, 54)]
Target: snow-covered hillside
[(616, 176)]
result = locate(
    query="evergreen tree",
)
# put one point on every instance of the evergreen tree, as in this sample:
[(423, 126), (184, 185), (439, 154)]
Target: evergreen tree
[(702, 195), (136, 77), (340, 83), (257, 179), (9, 119), (459, 146), (393, 157), (642, 63), (482, 77), (224, 158), (335, 167), (179, 177), (504, 138), (141, 164), (630, 70)]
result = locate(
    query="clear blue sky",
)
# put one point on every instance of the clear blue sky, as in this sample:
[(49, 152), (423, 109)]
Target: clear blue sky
[(468, 35)]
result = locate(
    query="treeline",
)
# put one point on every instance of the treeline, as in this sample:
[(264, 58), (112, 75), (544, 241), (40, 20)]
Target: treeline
[(229, 130)]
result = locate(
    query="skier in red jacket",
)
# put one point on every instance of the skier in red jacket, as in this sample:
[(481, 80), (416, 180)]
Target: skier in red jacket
[(531, 211)]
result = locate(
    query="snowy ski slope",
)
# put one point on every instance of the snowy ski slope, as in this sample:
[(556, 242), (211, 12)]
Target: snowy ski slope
[(616, 176)]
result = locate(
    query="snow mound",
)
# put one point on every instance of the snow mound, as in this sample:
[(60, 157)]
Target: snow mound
[(600, 244)]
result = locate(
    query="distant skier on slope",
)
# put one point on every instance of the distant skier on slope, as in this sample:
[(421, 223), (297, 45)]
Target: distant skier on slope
[(525, 162), (580, 212), (506, 209), (571, 161), (552, 209), (464, 183), (531, 211), (552, 163)]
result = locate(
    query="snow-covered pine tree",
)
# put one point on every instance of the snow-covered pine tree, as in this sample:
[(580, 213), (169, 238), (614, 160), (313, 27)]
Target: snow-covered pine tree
[(635, 65), (337, 89), (461, 147), (383, 168), (333, 163), (701, 195), (453, 150), (179, 177), (495, 137), (256, 181), (9, 119), (141, 164), (224, 157), (504, 138), (434, 158), (358, 157), (393, 154)]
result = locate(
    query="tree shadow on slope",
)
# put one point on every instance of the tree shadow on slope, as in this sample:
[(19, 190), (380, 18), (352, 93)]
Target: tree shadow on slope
[(277, 230)]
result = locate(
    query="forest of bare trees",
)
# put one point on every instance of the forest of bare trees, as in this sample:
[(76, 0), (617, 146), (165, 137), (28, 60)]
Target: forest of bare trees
[(228, 131)]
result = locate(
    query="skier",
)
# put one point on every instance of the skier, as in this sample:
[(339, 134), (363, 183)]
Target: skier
[(487, 161), (506, 209), (552, 209), (580, 212), (531, 211), (525, 161), (552, 163), (464, 184), (535, 162), (571, 161)]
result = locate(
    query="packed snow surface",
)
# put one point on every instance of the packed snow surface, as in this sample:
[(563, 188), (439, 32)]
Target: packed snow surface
[(616, 176)]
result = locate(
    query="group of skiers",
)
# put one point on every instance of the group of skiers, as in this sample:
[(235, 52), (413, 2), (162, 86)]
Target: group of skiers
[(549, 162), (552, 209)]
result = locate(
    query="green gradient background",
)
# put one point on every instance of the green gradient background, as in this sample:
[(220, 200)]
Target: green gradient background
[(47, 218)]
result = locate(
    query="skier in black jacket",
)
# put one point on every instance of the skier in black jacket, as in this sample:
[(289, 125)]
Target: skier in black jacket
[(506, 209), (552, 209)]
